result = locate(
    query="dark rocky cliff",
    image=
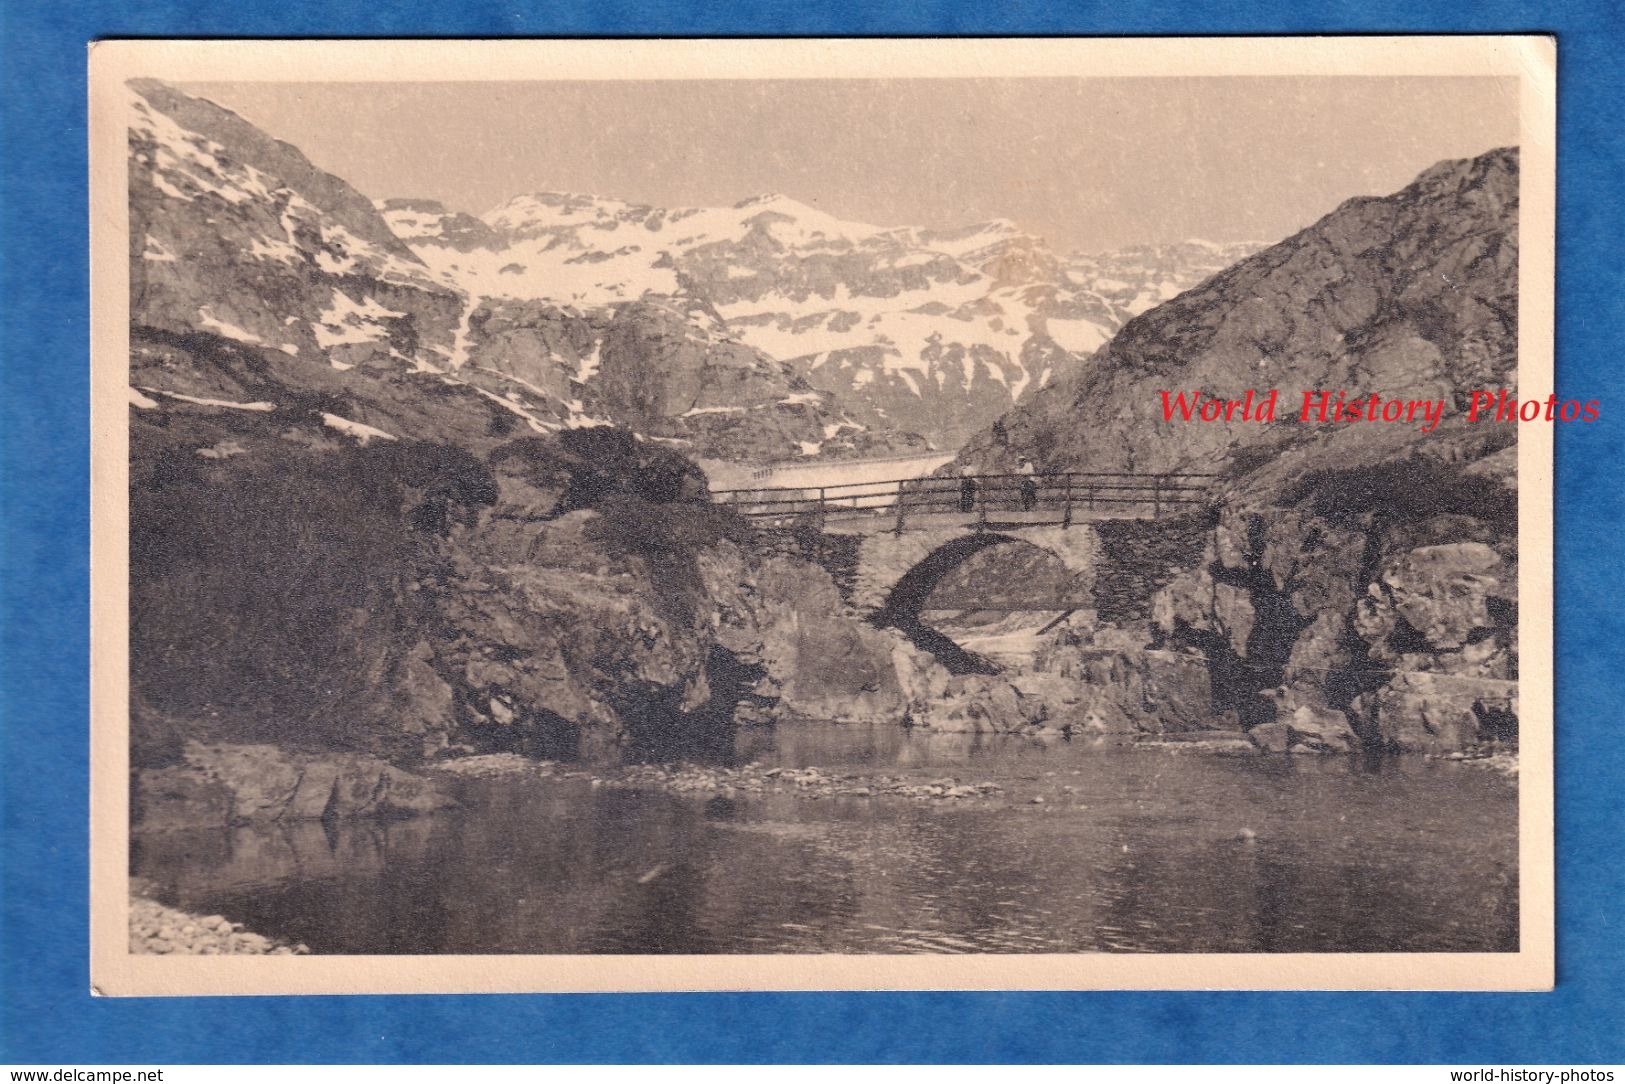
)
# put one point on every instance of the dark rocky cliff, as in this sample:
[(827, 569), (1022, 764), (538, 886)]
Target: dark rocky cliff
[(296, 596)]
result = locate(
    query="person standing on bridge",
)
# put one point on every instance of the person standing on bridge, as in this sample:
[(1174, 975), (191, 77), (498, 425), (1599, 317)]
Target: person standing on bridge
[(1029, 485), (967, 490)]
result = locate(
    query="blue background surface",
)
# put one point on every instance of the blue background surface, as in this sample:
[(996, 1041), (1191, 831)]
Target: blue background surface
[(48, 1015)]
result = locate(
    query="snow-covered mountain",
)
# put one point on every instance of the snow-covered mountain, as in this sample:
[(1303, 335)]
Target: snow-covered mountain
[(765, 331), (926, 331), (256, 278)]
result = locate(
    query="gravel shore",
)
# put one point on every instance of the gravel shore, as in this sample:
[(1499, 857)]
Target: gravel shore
[(802, 782), (811, 783), (159, 930), (1500, 761)]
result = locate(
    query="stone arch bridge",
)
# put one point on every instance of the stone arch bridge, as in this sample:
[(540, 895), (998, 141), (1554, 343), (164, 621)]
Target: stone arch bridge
[(890, 543)]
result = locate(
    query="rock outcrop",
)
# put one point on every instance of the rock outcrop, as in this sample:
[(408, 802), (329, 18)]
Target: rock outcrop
[(1376, 603), (555, 596), (225, 785), (667, 369)]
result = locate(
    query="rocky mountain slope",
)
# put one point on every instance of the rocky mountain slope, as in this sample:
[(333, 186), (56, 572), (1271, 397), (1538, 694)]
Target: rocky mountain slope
[(1360, 583), (1409, 295), (236, 238), (912, 331), (349, 541)]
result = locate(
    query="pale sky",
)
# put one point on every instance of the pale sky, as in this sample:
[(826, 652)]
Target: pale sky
[(1088, 164)]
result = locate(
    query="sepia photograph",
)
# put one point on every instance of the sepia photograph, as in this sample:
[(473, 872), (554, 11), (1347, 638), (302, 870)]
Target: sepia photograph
[(822, 514)]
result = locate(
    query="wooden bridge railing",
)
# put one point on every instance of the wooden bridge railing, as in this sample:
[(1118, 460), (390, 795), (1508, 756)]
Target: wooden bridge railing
[(1055, 498)]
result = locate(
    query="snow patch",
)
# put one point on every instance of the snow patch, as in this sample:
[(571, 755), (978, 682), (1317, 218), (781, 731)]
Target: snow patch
[(156, 252), (362, 433), (541, 393), (273, 249), (589, 364), (530, 419), (229, 404), (207, 320), (1077, 336), (694, 412), (347, 322)]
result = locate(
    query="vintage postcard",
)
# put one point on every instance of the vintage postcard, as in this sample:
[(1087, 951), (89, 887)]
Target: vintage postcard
[(860, 514)]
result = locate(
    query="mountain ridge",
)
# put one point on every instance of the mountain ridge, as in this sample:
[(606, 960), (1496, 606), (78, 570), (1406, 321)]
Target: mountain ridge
[(1406, 294), (257, 277), (935, 331)]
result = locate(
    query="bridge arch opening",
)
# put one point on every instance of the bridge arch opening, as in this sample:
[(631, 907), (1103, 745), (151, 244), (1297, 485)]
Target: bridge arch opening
[(975, 602)]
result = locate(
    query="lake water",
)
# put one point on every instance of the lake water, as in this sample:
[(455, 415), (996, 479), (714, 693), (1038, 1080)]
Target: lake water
[(1133, 849)]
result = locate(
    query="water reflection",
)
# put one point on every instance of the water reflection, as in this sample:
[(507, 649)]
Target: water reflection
[(1142, 851)]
